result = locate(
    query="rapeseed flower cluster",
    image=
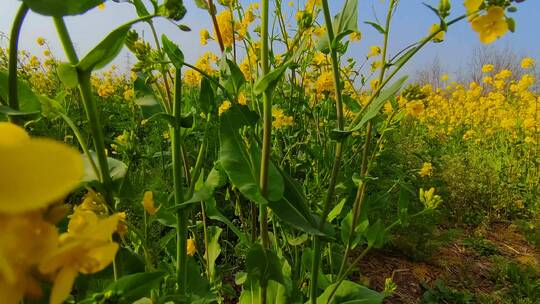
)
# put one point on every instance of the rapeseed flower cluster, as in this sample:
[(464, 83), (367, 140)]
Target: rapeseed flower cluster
[(36, 174), (499, 105)]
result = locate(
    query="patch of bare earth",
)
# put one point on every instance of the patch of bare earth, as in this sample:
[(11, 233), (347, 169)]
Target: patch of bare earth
[(459, 266)]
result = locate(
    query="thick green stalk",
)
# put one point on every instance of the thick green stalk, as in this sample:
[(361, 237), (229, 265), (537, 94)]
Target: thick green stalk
[(181, 218), (85, 89), (267, 136), (338, 151), (13, 98)]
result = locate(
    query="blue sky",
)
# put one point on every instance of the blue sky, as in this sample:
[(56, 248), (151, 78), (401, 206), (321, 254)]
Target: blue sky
[(411, 22)]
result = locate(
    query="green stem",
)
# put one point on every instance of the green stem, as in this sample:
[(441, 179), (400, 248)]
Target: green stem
[(181, 218), (13, 98), (338, 151), (267, 137), (85, 89)]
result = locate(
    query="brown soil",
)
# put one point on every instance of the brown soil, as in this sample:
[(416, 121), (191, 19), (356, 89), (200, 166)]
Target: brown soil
[(459, 266)]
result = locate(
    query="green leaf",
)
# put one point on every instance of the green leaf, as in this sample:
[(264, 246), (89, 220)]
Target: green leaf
[(270, 80), (173, 52), (146, 99), (141, 8), (232, 77), (375, 235), (117, 168), (350, 293), (359, 231), (233, 154), (275, 293), (106, 50), (207, 100), (376, 26), (135, 286), (336, 210), (276, 187), (28, 101), (50, 108), (263, 265), (198, 287), (61, 8), (375, 106), (213, 250), (343, 24), (201, 4), (214, 214), (68, 75)]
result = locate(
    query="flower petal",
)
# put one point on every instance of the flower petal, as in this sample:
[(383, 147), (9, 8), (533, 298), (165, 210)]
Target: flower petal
[(36, 173), (11, 134), (62, 285)]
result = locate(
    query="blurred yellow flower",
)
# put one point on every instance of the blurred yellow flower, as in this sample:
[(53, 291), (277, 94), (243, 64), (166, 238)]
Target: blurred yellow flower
[(205, 35), (439, 37), (86, 247), (374, 51), (41, 41), (487, 68), (36, 172), (426, 170), (191, 247), (491, 26), (148, 203), (226, 105), (527, 63)]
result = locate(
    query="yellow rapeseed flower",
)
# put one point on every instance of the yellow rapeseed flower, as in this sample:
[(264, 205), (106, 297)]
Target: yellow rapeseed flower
[(149, 204), (225, 23), (41, 41), (440, 36), (487, 68), (36, 172), (101, 6), (191, 247), (374, 51), (472, 5), (355, 36), (426, 170), (527, 63), (226, 105), (205, 35), (491, 26), (86, 247)]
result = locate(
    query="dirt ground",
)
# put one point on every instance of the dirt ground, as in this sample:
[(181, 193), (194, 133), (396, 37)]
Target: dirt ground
[(459, 266)]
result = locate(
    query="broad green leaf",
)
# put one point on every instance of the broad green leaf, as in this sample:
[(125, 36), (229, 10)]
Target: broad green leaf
[(336, 210), (68, 75), (375, 235), (275, 293), (359, 231), (213, 250), (299, 240), (207, 102), (28, 101), (350, 293), (307, 261), (135, 286), (375, 106), (275, 180), (198, 287), (263, 265), (287, 212), (173, 52), (117, 168), (50, 108), (343, 24), (232, 77), (270, 80), (106, 50), (61, 8), (146, 99), (233, 155)]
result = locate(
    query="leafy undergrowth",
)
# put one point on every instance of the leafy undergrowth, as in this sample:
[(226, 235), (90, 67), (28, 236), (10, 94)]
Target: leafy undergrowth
[(495, 264)]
